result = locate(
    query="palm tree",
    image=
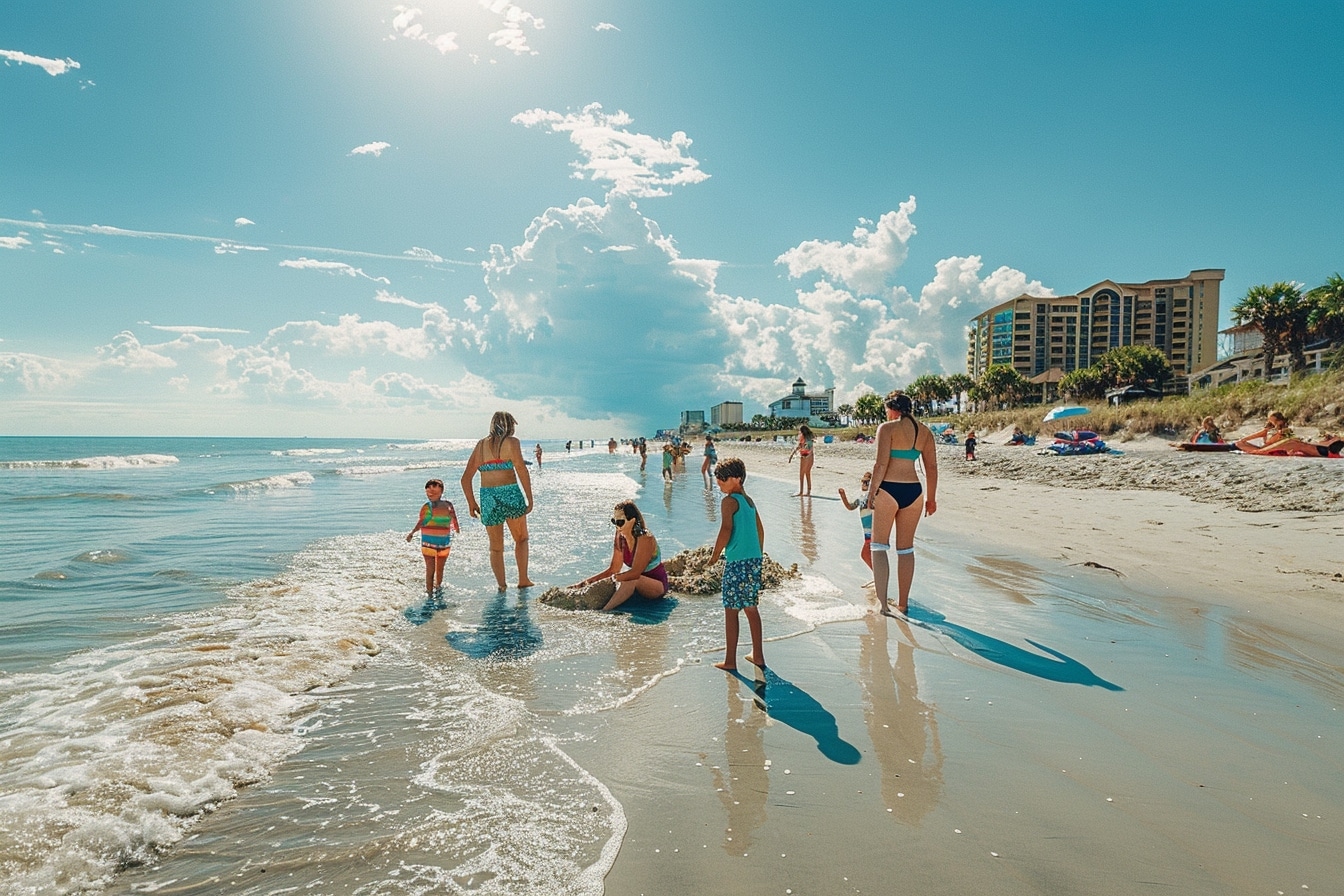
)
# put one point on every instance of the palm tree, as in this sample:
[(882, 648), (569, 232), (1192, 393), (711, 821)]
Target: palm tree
[(869, 407), (959, 383), (846, 412), (1281, 313), (1325, 316), (1003, 383)]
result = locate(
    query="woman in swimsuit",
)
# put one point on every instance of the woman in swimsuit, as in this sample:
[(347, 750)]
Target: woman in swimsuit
[(499, 458), (899, 500), (636, 562), (1276, 429), (804, 451), (711, 458)]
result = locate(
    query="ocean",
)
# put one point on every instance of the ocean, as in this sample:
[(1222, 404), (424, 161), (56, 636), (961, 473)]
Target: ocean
[(235, 631)]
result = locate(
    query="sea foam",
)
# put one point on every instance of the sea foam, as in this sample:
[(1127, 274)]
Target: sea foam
[(102, 462), (107, 758)]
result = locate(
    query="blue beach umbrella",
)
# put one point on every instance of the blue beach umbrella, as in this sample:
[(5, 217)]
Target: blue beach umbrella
[(1066, 410)]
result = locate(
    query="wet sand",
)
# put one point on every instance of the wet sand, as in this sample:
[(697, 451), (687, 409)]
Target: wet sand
[(1100, 690)]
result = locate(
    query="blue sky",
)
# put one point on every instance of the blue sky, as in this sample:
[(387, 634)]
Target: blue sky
[(350, 218)]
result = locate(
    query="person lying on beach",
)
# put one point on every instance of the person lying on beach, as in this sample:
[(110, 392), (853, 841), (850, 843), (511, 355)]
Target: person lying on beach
[(1276, 429), (636, 562), (1292, 446), (1017, 438)]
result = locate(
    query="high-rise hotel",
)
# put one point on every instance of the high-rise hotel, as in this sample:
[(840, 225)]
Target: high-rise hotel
[(1037, 334)]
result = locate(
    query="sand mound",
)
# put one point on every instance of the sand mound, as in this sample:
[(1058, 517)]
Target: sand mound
[(689, 572)]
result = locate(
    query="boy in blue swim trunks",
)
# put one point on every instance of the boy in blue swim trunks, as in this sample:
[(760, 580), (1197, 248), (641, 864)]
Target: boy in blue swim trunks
[(741, 536), (437, 523)]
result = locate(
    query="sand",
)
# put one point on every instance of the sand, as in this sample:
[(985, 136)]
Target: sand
[(1113, 681)]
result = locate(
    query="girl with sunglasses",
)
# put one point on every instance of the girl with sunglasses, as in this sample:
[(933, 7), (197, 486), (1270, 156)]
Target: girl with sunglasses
[(636, 562)]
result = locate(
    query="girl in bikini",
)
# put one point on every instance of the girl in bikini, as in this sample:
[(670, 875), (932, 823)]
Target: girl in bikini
[(499, 459), (803, 449), (899, 500)]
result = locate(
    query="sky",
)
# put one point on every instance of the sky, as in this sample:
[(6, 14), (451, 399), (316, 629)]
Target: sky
[(352, 218)]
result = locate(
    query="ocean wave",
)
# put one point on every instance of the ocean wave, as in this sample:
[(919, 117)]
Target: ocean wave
[(433, 445), (266, 484), (380, 469), (107, 758), (307, 452), (103, 462)]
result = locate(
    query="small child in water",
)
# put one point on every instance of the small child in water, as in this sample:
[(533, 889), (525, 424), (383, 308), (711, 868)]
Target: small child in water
[(437, 523), (741, 536), (669, 454), (865, 516)]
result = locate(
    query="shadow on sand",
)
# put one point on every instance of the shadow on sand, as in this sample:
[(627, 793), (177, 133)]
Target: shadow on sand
[(506, 632), (791, 705), (1055, 667)]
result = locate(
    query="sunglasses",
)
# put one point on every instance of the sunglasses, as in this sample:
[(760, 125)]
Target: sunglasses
[(616, 522)]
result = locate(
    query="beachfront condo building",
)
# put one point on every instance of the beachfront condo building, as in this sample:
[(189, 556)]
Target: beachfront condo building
[(725, 412), (1039, 335)]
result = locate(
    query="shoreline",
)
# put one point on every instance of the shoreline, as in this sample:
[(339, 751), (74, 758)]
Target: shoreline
[(1263, 534)]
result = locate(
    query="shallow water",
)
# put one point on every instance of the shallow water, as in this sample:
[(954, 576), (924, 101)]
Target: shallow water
[(227, 677)]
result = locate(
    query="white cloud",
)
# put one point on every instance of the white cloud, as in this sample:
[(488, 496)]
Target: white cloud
[(423, 255), (329, 267), (370, 149), (634, 164), (242, 222), (228, 247), (863, 264), (852, 330), (126, 352), (391, 298), (13, 242), (193, 329), (406, 26), (25, 373), (511, 35), (50, 66), (605, 26)]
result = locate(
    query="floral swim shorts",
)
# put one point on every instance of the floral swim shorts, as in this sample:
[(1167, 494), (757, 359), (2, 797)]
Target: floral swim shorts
[(501, 502), (741, 583)]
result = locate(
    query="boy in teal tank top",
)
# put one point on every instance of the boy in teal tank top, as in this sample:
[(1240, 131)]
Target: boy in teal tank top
[(741, 536)]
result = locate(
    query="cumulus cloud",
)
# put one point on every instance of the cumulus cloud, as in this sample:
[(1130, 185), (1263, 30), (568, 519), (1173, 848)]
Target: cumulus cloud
[(21, 372), (851, 329), (13, 242), (404, 25), (370, 149), (52, 67), (242, 222), (863, 264), (633, 164), (329, 267), (126, 352)]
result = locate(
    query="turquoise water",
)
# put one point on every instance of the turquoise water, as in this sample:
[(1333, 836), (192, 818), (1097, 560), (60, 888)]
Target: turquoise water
[(190, 620)]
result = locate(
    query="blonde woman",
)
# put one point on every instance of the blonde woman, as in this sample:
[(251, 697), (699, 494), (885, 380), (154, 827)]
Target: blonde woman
[(506, 494)]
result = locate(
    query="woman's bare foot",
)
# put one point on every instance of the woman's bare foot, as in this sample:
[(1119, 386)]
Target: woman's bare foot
[(725, 666), (755, 662), (527, 584)]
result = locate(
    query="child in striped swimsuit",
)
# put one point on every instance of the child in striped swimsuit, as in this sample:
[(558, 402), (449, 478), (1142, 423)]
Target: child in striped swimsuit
[(437, 523)]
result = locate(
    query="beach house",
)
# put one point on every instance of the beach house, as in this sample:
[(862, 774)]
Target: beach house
[(816, 407)]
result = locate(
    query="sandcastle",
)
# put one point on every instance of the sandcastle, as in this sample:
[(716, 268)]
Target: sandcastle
[(689, 572)]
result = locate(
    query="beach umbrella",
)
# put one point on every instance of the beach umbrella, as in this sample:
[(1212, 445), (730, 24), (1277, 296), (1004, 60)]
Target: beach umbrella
[(1066, 410)]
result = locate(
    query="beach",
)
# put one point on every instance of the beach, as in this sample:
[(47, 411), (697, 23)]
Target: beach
[(1105, 684)]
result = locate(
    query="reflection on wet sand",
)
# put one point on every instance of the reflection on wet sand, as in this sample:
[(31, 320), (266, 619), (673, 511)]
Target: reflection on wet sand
[(742, 782), (807, 532), (505, 633), (713, 499), (903, 729)]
